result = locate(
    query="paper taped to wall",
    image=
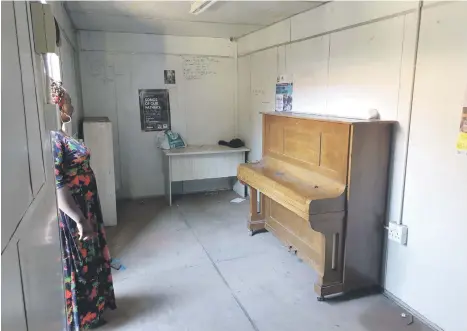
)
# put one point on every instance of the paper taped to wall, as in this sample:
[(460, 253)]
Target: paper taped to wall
[(462, 137), (197, 67), (284, 90)]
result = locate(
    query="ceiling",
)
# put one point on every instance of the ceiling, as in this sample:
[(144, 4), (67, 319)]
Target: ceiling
[(224, 19)]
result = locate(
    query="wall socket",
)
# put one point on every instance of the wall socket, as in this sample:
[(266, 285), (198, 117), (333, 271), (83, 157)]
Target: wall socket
[(397, 232)]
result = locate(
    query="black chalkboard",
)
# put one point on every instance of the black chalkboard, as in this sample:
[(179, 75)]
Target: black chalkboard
[(154, 108)]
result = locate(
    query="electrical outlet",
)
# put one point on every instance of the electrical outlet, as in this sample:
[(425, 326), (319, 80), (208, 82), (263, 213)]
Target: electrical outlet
[(398, 233)]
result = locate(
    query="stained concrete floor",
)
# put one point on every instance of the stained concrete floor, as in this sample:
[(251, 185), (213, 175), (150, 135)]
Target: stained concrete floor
[(194, 267)]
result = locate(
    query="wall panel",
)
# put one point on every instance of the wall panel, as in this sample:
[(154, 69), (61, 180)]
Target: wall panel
[(307, 61), (16, 181), (263, 82), (425, 273), (272, 35), (243, 95), (364, 68), (149, 43), (341, 14)]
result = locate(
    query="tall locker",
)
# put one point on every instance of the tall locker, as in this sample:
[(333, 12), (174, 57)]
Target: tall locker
[(98, 138)]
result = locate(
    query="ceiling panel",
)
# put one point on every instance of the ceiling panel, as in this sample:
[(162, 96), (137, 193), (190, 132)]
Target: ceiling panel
[(233, 18)]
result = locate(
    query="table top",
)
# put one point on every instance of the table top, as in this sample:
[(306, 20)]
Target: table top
[(203, 149)]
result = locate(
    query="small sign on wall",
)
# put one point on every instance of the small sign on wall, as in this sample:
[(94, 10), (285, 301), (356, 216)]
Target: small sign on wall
[(154, 110), (169, 77), (462, 138), (284, 90)]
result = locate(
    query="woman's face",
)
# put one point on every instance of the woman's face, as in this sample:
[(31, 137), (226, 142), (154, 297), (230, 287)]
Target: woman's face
[(67, 109)]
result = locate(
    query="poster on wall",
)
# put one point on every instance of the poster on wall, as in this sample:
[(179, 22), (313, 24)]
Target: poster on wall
[(462, 137), (169, 77), (154, 107), (284, 90)]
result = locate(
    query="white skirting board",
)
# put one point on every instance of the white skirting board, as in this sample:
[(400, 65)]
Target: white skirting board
[(98, 138)]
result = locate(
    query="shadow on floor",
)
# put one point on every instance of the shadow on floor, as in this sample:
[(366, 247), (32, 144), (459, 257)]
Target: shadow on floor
[(133, 308), (376, 318), (133, 216), (353, 295)]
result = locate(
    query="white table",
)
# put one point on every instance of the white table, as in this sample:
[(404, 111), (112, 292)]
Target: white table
[(200, 162)]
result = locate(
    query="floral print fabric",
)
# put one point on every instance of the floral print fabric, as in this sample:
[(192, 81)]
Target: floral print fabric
[(87, 272)]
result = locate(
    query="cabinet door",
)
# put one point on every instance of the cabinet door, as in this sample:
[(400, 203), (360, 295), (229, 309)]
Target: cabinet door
[(32, 277), (13, 313), (16, 180)]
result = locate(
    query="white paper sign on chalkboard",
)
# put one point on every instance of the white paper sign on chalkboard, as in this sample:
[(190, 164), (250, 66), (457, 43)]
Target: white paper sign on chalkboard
[(154, 108)]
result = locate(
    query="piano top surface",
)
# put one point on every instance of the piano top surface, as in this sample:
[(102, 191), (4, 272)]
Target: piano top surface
[(325, 118)]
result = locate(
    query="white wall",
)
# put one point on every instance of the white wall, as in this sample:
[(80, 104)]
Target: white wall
[(71, 81), (429, 272), (115, 65), (348, 57)]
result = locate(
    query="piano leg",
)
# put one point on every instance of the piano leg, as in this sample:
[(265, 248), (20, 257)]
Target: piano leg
[(256, 221), (331, 225)]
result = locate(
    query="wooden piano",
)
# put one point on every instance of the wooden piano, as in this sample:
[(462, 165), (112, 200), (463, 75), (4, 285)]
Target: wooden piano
[(322, 186)]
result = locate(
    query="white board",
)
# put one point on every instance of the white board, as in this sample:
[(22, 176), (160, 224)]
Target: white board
[(209, 92)]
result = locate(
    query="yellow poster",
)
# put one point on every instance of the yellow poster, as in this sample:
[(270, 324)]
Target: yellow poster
[(462, 138)]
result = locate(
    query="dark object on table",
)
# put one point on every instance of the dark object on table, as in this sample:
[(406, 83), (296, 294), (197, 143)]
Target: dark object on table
[(234, 143)]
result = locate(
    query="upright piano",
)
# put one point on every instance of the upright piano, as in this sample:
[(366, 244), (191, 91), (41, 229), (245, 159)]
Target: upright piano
[(320, 188)]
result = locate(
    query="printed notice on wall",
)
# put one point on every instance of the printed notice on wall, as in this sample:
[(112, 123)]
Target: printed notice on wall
[(154, 110), (462, 138), (284, 89), (197, 67)]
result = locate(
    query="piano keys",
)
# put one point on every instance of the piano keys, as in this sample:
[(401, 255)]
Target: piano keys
[(322, 185)]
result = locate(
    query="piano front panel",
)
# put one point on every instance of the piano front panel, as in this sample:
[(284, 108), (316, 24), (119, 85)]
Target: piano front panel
[(294, 231), (317, 145), (302, 144), (335, 149), (276, 138)]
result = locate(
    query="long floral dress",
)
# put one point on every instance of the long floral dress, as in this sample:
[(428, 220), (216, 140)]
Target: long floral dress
[(87, 273)]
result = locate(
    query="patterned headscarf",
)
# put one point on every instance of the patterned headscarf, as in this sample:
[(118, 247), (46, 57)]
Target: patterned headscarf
[(58, 93)]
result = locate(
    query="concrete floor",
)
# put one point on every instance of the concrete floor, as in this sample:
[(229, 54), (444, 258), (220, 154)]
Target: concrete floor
[(194, 267)]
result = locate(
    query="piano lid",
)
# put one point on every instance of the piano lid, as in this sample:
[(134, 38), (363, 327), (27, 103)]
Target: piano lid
[(325, 118)]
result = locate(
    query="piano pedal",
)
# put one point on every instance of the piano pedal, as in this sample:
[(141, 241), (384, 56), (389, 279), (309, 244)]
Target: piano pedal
[(291, 250)]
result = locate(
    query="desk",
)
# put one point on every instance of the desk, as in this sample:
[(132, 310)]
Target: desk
[(200, 162)]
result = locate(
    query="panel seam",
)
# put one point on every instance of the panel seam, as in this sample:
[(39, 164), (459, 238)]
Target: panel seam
[(22, 286), (24, 103), (383, 18), (35, 92)]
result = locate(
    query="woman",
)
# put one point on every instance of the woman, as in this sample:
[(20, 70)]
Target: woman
[(86, 257)]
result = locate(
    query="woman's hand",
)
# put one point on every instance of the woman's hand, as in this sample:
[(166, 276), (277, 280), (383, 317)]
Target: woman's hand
[(85, 229), (67, 204)]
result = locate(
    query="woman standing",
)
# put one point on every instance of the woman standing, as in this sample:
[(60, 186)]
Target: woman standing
[(86, 257)]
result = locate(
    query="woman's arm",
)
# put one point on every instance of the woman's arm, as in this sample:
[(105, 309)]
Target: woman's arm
[(67, 204)]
